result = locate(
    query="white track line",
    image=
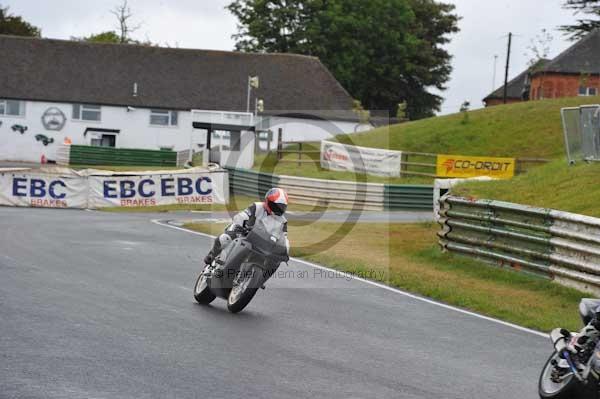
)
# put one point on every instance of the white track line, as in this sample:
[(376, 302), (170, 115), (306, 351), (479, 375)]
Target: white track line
[(383, 286)]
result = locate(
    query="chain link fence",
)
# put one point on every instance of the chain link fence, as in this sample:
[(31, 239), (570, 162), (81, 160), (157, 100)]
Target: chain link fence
[(581, 127)]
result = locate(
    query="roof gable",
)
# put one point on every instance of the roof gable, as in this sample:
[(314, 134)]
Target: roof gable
[(517, 85), (582, 57), (69, 71)]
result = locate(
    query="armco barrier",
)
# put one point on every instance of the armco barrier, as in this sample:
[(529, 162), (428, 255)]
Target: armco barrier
[(559, 245), (92, 155), (340, 194)]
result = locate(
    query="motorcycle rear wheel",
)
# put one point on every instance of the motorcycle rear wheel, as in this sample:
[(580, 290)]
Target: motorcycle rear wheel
[(570, 388), (244, 289), (202, 293)]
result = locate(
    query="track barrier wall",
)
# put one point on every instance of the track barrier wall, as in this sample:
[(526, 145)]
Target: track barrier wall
[(558, 245), (340, 194)]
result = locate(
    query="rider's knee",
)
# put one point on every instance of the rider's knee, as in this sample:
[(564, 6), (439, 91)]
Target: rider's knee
[(224, 239)]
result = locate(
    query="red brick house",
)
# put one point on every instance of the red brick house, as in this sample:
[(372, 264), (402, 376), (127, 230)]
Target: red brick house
[(575, 72), (517, 91)]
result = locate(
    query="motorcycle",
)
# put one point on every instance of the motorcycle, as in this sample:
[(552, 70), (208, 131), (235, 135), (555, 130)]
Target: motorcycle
[(572, 375), (242, 267)]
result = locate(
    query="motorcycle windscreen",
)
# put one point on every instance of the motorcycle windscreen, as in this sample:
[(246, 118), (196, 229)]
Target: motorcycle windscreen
[(267, 236)]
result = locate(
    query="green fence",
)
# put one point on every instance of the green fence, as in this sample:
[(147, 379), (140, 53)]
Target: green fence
[(251, 183), (407, 197), (91, 155)]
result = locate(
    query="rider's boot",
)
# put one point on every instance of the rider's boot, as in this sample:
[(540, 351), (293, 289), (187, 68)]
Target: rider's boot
[(210, 257)]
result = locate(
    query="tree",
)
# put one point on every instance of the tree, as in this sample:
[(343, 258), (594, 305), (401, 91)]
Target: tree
[(584, 25), (382, 51), (124, 29), (539, 48), (103, 37), (123, 14), (15, 25)]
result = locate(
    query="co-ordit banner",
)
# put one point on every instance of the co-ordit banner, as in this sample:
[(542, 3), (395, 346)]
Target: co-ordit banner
[(468, 166), (161, 189), (41, 190), (336, 156)]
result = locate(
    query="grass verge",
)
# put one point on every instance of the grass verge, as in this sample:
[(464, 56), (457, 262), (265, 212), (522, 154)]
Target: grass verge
[(403, 256)]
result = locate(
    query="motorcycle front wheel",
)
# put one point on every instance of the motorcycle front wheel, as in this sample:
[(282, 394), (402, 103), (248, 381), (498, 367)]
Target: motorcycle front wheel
[(245, 285), (202, 293), (568, 388)]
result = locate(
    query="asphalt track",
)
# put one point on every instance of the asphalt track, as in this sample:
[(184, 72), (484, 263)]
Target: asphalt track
[(99, 305)]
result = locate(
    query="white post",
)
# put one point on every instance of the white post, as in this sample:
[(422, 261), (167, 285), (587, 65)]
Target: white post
[(248, 98)]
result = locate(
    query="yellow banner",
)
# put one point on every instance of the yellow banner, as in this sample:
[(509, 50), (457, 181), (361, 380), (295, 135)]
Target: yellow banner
[(467, 166)]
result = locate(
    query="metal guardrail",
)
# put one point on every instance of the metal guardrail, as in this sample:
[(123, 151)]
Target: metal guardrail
[(337, 193), (340, 194), (559, 245)]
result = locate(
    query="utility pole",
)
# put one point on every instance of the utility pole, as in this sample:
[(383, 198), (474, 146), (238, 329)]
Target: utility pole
[(494, 76), (507, 66)]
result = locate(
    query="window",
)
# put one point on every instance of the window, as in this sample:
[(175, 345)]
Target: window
[(12, 108), (86, 112), (587, 91), (106, 140), (234, 140), (161, 117)]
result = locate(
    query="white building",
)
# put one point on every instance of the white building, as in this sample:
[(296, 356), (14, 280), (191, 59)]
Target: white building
[(132, 96)]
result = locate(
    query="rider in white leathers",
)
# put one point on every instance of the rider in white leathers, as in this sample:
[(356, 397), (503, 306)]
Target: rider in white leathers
[(590, 313), (270, 211)]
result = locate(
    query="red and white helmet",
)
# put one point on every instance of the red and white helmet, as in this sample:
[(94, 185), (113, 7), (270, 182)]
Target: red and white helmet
[(276, 201)]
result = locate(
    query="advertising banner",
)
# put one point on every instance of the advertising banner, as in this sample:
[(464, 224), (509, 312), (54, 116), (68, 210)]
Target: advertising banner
[(158, 189), (468, 166), (336, 156), (43, 190)]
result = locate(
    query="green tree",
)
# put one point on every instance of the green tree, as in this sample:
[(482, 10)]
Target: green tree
[(382, 51), (15, 25), (583, 26), (103, 37)]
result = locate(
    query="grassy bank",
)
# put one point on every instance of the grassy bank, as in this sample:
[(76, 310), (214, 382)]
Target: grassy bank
[(524, 130), (405, 256), (528, 129), (555, 185)]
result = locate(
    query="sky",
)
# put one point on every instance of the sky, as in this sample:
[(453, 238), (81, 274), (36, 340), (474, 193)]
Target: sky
[(206, 24)]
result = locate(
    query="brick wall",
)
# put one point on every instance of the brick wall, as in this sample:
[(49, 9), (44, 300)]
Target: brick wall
[(557, 85)]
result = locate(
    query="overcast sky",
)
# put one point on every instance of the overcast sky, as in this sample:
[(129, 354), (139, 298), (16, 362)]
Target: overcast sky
[(206, 24)]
